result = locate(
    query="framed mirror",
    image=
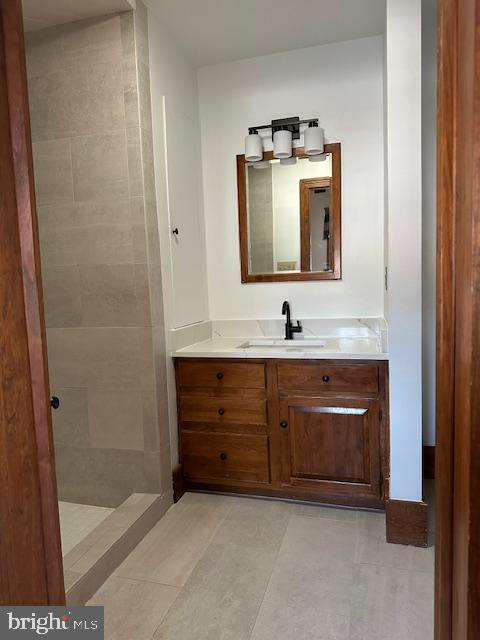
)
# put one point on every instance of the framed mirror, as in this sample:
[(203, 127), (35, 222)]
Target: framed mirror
[(289, 216)]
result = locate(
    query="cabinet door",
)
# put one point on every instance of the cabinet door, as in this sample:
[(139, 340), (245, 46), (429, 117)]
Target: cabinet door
[(186, 214), (332, 445)]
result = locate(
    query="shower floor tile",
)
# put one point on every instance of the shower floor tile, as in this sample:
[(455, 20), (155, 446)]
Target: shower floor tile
[(77, 521)]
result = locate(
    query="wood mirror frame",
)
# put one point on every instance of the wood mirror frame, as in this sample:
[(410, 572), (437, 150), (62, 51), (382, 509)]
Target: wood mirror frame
[(336, 221)]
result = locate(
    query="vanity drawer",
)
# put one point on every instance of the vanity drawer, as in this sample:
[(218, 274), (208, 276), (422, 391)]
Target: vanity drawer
[(221, 374), (223, 410), (327, 377), (218, 456)]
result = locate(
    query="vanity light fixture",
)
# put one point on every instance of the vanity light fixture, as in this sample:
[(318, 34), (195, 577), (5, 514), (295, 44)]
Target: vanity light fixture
[(284, 131)]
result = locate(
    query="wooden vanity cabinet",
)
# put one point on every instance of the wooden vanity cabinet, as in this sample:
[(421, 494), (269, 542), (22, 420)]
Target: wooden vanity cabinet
[(308, 430)]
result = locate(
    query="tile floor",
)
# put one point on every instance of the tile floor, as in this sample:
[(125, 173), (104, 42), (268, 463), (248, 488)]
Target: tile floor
[(233, 568), (77, 521)]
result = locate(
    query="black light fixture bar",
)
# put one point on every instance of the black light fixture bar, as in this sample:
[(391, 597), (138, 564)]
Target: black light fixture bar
[(286, 124)]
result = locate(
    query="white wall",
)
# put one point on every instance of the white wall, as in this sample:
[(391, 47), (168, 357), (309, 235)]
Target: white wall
[(342, 84), (404, 183), (176, 134), (429, 132)]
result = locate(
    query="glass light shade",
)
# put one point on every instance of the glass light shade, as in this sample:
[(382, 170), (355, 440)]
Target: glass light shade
[(313, 141), (282, 144), (253, 148), (320, 158), (263, 164)]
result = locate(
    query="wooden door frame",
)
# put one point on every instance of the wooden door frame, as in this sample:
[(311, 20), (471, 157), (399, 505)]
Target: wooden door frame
[(307, 185), (30, 547), (457, 554)]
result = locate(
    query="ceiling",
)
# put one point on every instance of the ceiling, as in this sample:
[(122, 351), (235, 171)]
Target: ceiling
[(215, 31), (38, 14)]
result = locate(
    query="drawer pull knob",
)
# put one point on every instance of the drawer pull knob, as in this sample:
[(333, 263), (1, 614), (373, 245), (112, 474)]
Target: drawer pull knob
[(325, 378), (223, 456), (221, 412), (284, 424), (54, 402), (219, 375)]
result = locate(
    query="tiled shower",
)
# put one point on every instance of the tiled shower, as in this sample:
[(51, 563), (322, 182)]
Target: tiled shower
[(89, 93)]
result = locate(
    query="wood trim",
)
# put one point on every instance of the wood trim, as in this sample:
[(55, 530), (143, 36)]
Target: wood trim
[(30, 547), (288, 493), (428, 462), (445, 304), (336, 186), (466, 433), (407, 522)]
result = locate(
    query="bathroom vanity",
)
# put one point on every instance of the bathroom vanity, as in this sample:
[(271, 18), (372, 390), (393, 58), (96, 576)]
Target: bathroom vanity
[(283, 420), (272, 414)]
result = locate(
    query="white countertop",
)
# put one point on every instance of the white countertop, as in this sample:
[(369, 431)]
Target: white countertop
[(342, 348)]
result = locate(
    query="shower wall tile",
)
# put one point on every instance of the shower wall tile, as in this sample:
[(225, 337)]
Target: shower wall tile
[(96, 98), (153, 471), (146, 358), (149, 420), (89, 93), (100, 168), (104, 244), (70, 420), (127, 35), (148, 166), (116, 419), (104, 477), (87, 233), (90, 41), (53, 171), (44, 51), (78, 101), (109, 358), (49, 106), (137, 209), (165, 468), (61, 296), (155, 283), (144, 96), (135, 173), (130, 92), (115, 295), (141, 33)]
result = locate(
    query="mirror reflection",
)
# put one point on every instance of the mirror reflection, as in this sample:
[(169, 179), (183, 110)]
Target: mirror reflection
[(290, 211)]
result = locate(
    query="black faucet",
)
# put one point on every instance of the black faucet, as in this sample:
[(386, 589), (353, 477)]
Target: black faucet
[(290, 329)]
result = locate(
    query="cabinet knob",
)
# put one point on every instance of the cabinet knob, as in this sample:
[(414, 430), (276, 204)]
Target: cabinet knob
[(221, 412), (219, 375), (175, 231), (223, 456), (325, 378), (54, 402), (284, 424)]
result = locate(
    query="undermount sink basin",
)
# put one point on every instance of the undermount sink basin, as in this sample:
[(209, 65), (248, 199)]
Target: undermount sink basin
[(275, 342)]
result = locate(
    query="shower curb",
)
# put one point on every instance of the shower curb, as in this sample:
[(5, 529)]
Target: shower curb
[(95, 558)]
